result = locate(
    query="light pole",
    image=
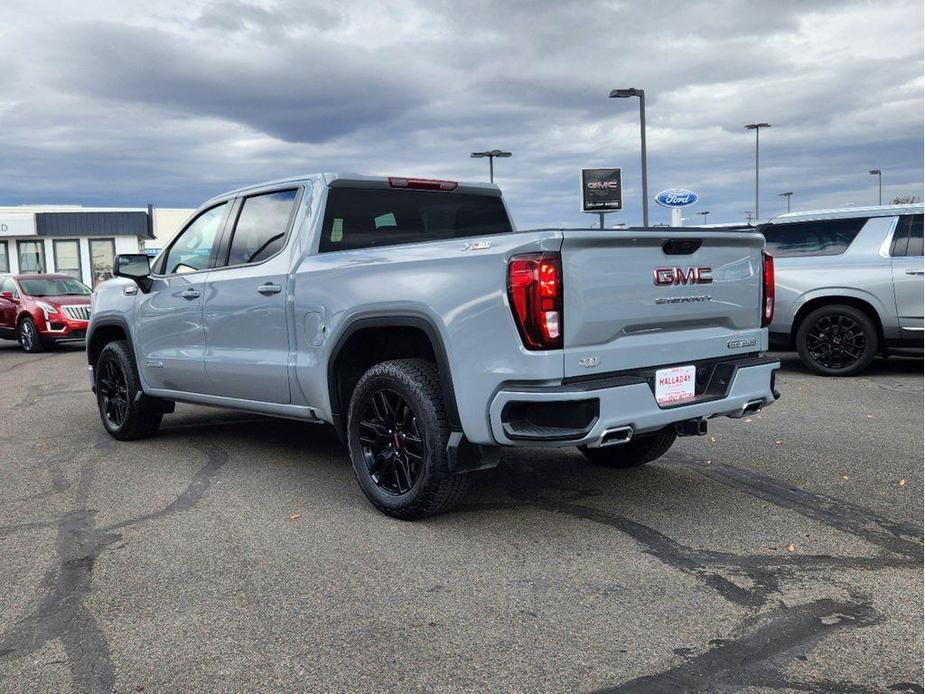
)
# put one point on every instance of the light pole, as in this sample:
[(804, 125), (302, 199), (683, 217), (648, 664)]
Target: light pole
[(705, 213), (879, 175), (786, 195), (757, 128), (641, 93), (748, 216), (491, 154)]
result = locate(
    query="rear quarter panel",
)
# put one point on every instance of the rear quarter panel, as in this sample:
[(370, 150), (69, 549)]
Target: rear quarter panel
[(460, 292)]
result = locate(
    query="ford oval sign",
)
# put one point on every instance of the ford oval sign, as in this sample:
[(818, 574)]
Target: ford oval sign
[(676, 197)]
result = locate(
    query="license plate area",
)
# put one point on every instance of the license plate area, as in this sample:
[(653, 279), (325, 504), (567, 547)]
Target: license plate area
[(675, 385)]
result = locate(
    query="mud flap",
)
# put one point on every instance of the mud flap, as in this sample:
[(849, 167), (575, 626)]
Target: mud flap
[(462, 456)]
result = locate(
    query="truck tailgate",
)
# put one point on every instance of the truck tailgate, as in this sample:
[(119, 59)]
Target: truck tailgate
[(619, 315)]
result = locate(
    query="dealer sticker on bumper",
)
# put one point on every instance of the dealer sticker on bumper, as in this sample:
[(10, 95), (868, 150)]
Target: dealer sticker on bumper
[(674, 385)]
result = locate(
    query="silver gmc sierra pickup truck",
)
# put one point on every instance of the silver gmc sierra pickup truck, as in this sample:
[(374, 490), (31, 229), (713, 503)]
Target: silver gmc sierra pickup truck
[(410, 314)]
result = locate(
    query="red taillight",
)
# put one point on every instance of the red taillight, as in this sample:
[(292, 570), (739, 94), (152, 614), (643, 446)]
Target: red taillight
[(422, 183), (534, 287), (767, 289)]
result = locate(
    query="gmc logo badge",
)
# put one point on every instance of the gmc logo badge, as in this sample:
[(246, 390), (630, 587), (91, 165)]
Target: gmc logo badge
[(668, 276)]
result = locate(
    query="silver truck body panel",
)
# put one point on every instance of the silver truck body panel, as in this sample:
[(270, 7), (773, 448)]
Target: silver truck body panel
[(611, 314)]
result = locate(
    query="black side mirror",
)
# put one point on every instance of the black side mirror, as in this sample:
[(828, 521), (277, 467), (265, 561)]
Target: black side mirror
[(134, 266)]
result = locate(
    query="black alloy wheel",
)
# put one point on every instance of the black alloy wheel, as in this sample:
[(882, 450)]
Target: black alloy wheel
[(837, 340), (398, 435), (126, 412), (113, 393), (393, 446)]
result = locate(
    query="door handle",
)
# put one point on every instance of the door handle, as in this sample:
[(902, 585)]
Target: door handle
[(915, 272), (190, 293), (269, 288)]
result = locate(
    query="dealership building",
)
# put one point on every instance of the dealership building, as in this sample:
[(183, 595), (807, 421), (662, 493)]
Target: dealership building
[(81, 241)]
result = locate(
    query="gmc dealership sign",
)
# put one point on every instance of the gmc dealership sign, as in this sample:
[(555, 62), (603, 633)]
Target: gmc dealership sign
[(601, 190)]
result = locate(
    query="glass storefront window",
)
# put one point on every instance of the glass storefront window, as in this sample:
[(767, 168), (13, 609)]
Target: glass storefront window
[(102, 256), (31, 256), (67, 258), (4, 257)]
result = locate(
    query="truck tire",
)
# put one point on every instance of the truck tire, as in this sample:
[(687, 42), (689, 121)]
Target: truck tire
[(29, 338), (837, 340), (125, 417), (397, 434), (638, 451)]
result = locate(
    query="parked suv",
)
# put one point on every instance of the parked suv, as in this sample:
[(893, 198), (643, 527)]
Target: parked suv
[(412, 316), (849, 285), (39, 310)]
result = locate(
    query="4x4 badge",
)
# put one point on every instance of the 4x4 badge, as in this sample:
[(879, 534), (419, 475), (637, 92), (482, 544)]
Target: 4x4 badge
[(589, 362)]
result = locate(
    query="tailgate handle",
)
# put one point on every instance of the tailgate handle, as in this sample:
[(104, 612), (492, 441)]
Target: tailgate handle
[(681, 246)]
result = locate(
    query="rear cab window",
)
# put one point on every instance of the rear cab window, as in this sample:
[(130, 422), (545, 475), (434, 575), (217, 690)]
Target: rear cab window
[(261, 227), (365, 218), (822, 237)]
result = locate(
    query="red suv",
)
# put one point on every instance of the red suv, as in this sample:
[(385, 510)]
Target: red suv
[(39, 310)]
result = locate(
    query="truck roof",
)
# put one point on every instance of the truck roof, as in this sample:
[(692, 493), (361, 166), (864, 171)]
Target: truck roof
[(849, 213), (354, 180)]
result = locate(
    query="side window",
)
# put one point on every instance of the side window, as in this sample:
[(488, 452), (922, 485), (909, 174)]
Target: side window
[(9, 285), (260, 231), (908, 241), (191, 250), (825, 237)]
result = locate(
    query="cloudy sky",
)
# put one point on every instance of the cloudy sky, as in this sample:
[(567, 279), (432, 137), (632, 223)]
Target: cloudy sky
[(125, 103)]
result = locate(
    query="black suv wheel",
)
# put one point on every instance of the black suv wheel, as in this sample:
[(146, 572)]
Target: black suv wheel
[(638, 451), (397, 434), (837, 340), (125, 416)]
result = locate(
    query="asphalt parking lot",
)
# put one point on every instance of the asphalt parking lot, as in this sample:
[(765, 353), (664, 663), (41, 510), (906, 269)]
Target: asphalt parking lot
[(236, 553)]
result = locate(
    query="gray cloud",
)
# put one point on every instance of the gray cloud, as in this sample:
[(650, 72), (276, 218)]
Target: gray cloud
[(175, 105)]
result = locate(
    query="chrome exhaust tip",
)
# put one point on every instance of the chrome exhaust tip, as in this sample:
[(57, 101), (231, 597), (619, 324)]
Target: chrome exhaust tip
[(614, 437), (750, 407)]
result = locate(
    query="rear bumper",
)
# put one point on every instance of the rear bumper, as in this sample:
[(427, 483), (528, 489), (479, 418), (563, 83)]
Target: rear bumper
[(579, 413)]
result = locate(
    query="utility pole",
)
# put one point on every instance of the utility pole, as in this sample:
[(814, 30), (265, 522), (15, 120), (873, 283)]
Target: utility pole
[(491, 154), (757, 128), (879, 175), (786, 195), (641, 93)]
